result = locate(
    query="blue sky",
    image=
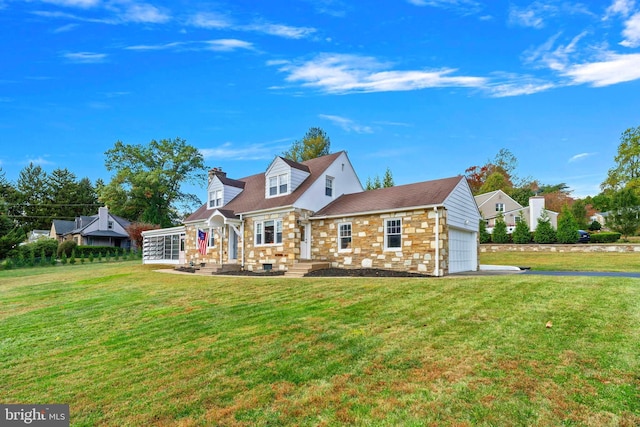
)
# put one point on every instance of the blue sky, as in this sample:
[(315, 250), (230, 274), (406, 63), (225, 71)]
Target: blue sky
[(424, 87)]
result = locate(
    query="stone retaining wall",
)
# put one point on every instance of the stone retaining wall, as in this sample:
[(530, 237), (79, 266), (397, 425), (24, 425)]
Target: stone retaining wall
[(578, 247)]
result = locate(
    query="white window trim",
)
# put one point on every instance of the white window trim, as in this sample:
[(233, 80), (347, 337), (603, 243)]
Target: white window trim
[(259, 225), (214, 200), (328, 185), (499, 207), (210, 238), (281, 179), (386, 235), (340, 248)]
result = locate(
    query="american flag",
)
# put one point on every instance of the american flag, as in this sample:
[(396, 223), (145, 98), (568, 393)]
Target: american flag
[(202, 242)]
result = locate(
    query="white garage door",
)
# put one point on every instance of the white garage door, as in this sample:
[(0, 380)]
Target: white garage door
[(463, 251)]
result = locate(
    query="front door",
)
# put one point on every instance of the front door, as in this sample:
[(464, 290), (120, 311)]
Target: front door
[(233, 244), (305, 241)]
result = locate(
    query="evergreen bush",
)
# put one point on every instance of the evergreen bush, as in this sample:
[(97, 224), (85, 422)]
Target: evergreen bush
[(66, 248), (606, 237), (567, 227), (544, 231), (485, 237), (521, 235), (595, 226), (500, 234)]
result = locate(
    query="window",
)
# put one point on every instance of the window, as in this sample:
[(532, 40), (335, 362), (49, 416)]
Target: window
[(278, 184), (518, 219), (268, 232), (215, 198), (328, 188), (499, 207), (211, 241), (344, 236), (110, 225), (393, 234)]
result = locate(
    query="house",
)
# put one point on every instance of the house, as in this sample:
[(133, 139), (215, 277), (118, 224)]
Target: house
[(317, 211), (102, 229), (498, 202), (36, 235)]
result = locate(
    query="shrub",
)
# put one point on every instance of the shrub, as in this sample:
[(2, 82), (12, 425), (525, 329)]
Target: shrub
[(608, 237), (521, 235), (485, 237), (63, 258), (72, 260), (66, 248), (544, 231), (567, 227), (595, 226), (500, 234)]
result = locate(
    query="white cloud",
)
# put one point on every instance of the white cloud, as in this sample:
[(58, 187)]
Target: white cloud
[(532, 16), (346, 124), (228, 44), (620, 7), (556, 59), (84, 4), (503, 90), (144, 13), (580, 156), (464, 6), (39, 161), (209, 20), (612, 70), (85, 57), (230, 151), (280, 30), (631, 31), (343, 73)]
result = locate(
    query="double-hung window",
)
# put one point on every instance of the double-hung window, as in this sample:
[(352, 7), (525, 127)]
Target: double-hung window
[(344, 236), (499, 207), (215, 199), (328, 187), (268, 232), (278, 184), (211, 239), (393, 234)]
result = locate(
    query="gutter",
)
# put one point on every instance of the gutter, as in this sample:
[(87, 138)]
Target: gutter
[(381, 211), (437, 268)]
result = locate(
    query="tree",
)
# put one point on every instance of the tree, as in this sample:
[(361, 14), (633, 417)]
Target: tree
[(147, 185), (624, 217), (521, 234), (567, 227), (10, 235), (495, 181), (579, 212), (504, 163), (387, 181), (500, 234), (33, 201), (135, 230), (315, 143), (484, 235), (544, 230), (627, 169)]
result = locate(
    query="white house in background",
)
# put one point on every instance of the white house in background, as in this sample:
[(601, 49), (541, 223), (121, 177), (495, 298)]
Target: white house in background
[(495, 202), (316, 211)]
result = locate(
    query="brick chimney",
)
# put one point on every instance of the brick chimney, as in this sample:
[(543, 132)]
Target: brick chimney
[(216, 172)]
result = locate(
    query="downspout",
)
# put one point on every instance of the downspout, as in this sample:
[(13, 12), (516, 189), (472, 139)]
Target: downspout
[(222, 232), (437, 269), (242, 242)]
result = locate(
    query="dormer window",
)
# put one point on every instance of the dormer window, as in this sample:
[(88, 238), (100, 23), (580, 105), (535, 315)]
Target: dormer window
[(215, 199), (278, 185)]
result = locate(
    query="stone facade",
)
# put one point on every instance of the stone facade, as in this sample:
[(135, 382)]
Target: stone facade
[(191, 246), (278, 256), (418, 244)]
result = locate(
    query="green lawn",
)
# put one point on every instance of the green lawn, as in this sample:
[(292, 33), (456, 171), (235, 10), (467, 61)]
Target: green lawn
[(124, 345), (567, 261)]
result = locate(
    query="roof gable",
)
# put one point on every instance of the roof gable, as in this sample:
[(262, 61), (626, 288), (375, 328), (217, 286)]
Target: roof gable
[(482, 199), (253, 198)]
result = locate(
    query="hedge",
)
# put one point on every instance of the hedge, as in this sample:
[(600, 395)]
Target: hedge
[(608, 237)]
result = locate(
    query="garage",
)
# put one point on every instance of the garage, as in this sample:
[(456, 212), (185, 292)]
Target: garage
[(463, 251)]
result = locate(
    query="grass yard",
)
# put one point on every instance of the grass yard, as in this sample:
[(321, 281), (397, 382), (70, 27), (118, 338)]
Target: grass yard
[(566, 261), (126, 346)]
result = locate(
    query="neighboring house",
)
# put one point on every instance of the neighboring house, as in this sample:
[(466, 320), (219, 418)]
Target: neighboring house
[(495, 202), (317, 211), (35, 235), (103, 229)]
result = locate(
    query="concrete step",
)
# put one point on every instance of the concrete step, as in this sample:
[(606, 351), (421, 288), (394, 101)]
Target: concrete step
[(302, 268)]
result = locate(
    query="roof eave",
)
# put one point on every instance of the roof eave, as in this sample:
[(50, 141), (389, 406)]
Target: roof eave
[(379, 212)]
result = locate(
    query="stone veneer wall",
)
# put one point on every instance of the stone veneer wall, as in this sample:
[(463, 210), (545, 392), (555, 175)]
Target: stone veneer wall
[(191, 246), (281, 256), (367, 242), (578, 247)]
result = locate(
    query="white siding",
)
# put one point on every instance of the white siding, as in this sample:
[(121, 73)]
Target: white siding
[(462, 210), (228, 192), (345, 181), (279, 167)]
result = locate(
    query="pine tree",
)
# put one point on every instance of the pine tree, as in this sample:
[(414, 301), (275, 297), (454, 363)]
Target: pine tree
[(500, 234), (521, 235), (567, 227), (544, 231), (485, 237)]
